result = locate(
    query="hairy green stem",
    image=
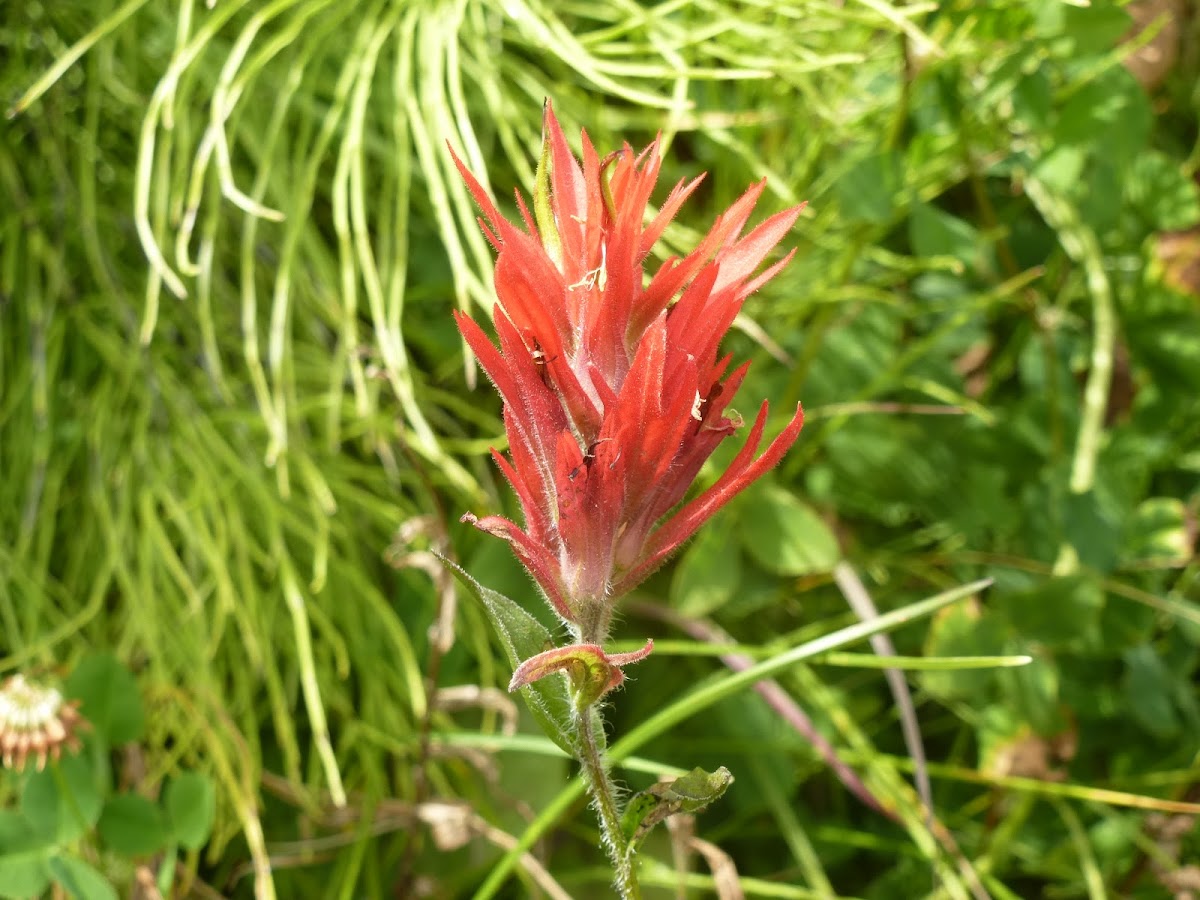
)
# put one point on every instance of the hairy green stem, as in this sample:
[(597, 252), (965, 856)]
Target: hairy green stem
[(604, 795), (595, 617)]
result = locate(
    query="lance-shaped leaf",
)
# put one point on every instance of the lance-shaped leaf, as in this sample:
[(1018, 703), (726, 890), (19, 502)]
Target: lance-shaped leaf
[(523, 636), (688, 794), (591, 672)]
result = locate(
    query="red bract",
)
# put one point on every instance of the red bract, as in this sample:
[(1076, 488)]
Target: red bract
[(591, 672), (613, 394)]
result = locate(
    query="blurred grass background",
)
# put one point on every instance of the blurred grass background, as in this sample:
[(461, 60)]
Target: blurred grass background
[(236, 420)]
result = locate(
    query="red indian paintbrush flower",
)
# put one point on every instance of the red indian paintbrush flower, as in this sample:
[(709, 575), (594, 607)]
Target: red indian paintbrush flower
[(614, 395)]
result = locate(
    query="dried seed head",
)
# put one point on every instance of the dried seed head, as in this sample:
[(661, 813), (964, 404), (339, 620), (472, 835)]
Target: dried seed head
[(36, 721)]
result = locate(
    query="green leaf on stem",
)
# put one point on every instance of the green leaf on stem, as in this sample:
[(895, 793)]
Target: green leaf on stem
[(190, 801), (690, 793), (63, 802), (524, 636), (132, 825), (23, 857)]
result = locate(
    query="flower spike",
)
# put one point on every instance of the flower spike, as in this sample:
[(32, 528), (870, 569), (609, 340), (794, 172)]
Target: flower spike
[(614, 395)]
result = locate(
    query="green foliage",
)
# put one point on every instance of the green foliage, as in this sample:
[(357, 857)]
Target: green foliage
[(709, 571), (235, 420), (63, 802), (690, 793), (190, 803), (784, 535), (80, 880), (107, 692), (69, 810), (25, 862), (132, 826), (524, 637)]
